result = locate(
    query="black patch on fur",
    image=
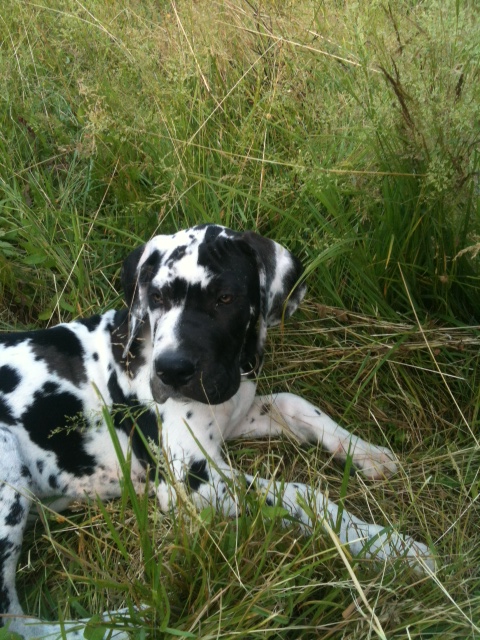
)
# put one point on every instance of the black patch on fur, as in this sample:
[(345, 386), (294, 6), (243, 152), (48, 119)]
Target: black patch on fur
[(6, 548), (150, 267), (54, 422), (211, 233), (189, 415), (129, 415), (91, 323), (12, 339), (173, 292), (146, 422), (25, 472), (116, 393), (40, 466), (95, 356), (53, 481), (197, 474), (50, 387), (265, 409), (176, 255), (16, 512), (62, 352), (9, 379), (6, 415)]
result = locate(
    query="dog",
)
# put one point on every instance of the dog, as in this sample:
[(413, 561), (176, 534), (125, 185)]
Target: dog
[(178, 369)]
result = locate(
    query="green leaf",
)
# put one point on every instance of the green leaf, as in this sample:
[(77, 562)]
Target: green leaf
[(274, 511), (45, 315), (94, 630), (34, 259)]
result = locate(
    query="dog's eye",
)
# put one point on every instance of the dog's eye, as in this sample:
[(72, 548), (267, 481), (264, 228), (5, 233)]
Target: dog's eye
[(156, 298), (225, 298)]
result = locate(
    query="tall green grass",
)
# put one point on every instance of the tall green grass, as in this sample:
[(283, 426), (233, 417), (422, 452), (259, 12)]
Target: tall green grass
[(348, 131)]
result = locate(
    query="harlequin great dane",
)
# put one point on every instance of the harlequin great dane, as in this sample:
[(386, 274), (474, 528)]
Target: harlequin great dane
[(177, 369)]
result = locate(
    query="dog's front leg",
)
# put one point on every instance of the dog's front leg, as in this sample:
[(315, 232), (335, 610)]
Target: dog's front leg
[(220, 486), (284, 412), (306, 506)]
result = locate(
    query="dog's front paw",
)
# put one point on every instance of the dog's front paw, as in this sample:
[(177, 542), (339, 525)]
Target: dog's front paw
[(420, 558), (417, 554), (387, 545), (374, 462)]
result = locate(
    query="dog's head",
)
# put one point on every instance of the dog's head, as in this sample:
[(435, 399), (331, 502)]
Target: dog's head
[(208, 294)]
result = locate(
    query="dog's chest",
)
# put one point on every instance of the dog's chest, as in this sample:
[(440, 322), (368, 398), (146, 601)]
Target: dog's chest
[(192, 430)]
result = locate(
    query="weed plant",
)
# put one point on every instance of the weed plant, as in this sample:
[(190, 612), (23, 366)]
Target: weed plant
[(348, 131)]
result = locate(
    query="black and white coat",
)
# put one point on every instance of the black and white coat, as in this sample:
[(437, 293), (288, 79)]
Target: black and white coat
[(177, 368)]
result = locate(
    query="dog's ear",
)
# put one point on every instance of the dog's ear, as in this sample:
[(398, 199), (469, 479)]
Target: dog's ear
[(136, 271), (280, 272), (129, 276)]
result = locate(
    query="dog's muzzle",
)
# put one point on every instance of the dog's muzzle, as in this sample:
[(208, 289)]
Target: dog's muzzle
[(176, 374), (174, 369)]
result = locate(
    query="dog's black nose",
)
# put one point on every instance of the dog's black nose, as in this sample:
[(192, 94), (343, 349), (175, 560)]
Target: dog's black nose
[(174, 368)]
